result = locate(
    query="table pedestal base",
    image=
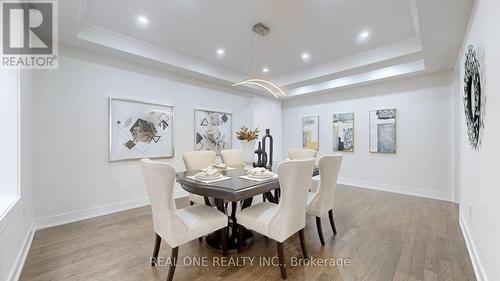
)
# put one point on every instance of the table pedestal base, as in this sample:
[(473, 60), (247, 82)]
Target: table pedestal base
[(214, 239)]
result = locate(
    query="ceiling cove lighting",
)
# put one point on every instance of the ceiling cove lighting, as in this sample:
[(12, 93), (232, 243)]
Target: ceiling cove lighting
[(260, 31), (143, 20), (358, 79)]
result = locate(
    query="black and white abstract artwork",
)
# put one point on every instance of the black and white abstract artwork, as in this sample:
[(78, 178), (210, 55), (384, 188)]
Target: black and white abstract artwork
[(140, 129), (213, 130), (473, 97), (343, 132), (383, 131)]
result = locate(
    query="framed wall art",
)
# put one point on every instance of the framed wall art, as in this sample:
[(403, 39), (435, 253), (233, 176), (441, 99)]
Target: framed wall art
[(383, 131), (310, 132), (473, 98), (212, 130), (343, 132), (140, 129)]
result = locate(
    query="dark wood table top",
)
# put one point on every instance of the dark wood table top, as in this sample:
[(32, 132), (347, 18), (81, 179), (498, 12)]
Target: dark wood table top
[(233, 189)]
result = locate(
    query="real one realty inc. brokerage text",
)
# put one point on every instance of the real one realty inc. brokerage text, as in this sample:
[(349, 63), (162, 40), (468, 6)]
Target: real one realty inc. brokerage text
[(250, 261)]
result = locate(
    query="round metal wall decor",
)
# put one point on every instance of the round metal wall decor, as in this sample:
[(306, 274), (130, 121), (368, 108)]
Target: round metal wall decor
[(472, 97)]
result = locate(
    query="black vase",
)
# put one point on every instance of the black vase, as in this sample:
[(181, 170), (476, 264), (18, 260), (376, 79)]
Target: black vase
[(267, 160), (340, 147), (259, 153)]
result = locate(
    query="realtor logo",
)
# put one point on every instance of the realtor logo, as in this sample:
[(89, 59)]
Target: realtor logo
[(29, 34)]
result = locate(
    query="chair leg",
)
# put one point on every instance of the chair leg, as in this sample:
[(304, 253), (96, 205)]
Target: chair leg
[(241, 231), (332, 222), (320, 231), (263, 198), (173, 263), (200, 239), (156, 250), (303, 244), (281, 257), (224, 241)]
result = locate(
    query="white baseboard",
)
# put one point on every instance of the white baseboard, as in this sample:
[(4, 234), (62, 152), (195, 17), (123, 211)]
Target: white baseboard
[(471, 247), (98, 211), (426, 193), (16, 270)]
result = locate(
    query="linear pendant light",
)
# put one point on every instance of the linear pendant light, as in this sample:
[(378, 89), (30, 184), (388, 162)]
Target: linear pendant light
[(262, 30), (266, 85)]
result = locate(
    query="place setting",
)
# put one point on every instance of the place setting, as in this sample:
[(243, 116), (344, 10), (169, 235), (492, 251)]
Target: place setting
[(211, 174), (221, 167), (259, 174)]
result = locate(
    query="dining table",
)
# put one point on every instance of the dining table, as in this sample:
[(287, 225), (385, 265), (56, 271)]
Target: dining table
[(233, 190)]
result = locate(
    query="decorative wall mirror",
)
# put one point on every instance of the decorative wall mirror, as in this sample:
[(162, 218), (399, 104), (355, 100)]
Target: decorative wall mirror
[(473, 102)]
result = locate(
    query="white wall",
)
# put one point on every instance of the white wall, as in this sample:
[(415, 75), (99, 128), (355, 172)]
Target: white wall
[(267, 115), (74, 179), (423, 164), (17, 228), (478, 180), (9, 94)]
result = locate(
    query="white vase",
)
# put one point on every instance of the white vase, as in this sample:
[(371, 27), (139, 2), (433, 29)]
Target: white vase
[(248, 151)]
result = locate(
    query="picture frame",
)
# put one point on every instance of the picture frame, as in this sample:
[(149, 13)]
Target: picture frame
[(213, 130), (139, 129), (310, 132), (343, 132), (383, 131)]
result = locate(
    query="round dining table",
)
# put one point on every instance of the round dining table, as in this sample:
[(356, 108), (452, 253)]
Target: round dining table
[(232, 190)]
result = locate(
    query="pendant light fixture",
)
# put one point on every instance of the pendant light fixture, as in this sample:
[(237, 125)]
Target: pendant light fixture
[(260, 31)]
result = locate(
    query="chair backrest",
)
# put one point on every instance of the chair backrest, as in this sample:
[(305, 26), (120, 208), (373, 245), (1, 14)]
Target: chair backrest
[(197, 160), (159, 179), (295, 178), (232, 158), (324, 198), (301, 153)]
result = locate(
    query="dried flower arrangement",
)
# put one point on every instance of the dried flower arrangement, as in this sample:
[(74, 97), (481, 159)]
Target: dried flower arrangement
[(246, 134)]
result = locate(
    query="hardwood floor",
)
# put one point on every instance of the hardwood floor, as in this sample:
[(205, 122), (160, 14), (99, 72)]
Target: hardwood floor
[(385, 236)]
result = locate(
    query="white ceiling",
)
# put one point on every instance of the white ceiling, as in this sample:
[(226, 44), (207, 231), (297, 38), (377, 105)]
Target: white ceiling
[(406, 37)]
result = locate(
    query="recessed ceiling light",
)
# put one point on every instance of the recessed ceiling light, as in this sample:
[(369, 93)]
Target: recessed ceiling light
[(143, 20), (306, 56), (265, 70), (220, 52), (363, 36)]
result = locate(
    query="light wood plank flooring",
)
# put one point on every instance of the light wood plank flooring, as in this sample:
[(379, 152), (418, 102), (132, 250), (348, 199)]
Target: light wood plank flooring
[(385, 236)]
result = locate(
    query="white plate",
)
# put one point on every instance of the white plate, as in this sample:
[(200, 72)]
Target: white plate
[(219, 166), (265, 176), (207, 177)]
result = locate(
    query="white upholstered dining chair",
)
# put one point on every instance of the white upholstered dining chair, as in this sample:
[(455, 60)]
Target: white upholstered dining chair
[(232, 158), (323, 200), (197, 160), (280, 221), (301, 153), (177, 227)]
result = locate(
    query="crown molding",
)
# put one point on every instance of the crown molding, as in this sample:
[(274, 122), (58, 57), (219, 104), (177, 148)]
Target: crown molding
[(105, 37), (406, 47), (399, 49), (193, 67), (362, 78)]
